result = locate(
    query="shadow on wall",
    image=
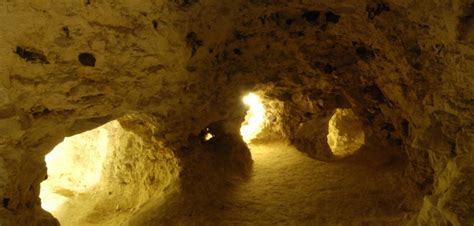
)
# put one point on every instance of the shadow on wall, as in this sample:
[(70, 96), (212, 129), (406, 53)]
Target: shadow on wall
[(214, 163)]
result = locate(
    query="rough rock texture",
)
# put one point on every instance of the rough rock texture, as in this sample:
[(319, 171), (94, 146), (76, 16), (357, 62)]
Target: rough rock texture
[(180, 66), (345, 133), (135, 172)]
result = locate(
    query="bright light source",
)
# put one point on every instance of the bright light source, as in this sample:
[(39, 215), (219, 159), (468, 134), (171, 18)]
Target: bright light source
[(254, 118), (208, 136), (50, 201), (75, 166)]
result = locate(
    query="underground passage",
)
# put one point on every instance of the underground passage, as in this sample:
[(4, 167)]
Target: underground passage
[(193, 112)]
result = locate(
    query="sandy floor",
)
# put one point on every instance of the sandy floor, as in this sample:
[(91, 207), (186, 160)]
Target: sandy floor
[(287, 187)]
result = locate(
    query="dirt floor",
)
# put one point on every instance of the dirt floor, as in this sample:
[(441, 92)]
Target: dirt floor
[(287, 187)]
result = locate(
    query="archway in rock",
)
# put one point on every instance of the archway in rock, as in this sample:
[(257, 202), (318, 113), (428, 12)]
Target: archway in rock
[(75, 166), (254, 118), (105, 175), (345, 133)]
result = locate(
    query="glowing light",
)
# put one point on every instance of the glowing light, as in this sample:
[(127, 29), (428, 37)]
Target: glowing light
[(254, 118), (75, 166), (51, 201), (208, 136)]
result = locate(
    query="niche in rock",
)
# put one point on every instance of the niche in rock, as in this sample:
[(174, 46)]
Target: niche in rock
[(345, 133)]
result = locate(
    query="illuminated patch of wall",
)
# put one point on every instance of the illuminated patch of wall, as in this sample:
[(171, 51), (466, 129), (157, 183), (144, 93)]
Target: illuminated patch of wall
[(345, 133)]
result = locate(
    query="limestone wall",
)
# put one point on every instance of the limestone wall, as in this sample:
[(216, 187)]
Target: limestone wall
[(404, 67)]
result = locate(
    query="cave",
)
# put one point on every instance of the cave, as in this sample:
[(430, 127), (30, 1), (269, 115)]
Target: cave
[(191, 112)]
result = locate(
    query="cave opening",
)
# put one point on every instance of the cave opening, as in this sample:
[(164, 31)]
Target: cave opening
[(75, 166), (345, 133), (113, 163), (254, 119)]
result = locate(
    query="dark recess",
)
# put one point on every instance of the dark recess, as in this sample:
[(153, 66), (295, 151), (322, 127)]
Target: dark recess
[(185, 3), (328, 68), (466, 23), (365, 53), (87, 59), (66, 31), (31, 55), (311, 16), (405, 127), (374, 93), (331, 17), (194, 42), (5, 202), (237, 51), (388, 126), (241, 36), (376, 9)]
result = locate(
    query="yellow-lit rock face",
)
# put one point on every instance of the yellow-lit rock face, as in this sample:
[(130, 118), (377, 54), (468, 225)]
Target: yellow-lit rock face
[(168, 70), (106, 176), (75, 166), (345, 133)]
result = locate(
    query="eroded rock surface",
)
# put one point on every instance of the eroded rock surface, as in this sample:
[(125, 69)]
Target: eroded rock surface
[(169, 70)]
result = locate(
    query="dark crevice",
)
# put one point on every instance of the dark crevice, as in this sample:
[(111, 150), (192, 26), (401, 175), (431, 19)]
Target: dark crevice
[(376, 9), (194, 42), (365, 53), (30, 55), (5, 202), (66, 31), (311, 16), (331, 17), (185, 3)]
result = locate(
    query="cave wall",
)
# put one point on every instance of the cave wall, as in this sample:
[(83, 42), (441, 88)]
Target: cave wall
[(404, 67)]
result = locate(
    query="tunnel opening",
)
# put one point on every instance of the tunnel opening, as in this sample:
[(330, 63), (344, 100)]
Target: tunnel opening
[(345, 133), (254, 119), (75, 166), (106, 175)]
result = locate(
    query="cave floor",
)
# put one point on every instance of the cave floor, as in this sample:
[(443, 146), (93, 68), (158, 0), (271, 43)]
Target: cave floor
[(287, 187)]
